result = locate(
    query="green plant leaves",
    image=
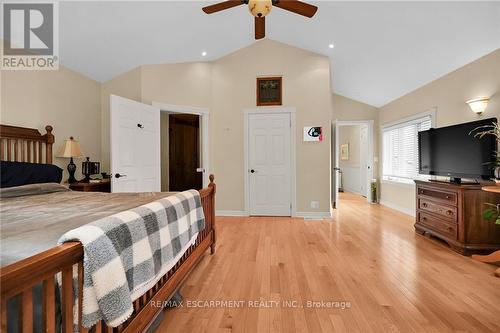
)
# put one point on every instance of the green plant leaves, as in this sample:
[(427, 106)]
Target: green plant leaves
[(490, 214)]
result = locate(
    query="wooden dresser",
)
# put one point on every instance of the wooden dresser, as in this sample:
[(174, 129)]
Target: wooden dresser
[(454, 213)]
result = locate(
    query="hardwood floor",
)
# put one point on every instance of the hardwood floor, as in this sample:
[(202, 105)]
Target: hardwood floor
[(367, 255)]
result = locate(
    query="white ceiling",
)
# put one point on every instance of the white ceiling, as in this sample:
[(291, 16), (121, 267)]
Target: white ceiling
[(383, 50)]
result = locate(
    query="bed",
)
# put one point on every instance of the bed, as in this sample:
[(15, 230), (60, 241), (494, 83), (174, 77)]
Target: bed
[(31, 257)]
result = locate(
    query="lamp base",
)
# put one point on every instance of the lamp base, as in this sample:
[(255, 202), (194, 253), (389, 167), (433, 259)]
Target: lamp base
[(71, 171)]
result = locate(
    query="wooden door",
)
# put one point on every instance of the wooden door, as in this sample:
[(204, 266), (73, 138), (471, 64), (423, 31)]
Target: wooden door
[(269, 161), (184, 152), (135, 146)]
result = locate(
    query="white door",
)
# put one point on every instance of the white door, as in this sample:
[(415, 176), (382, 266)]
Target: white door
[(269, 164), (135, 146), (363, 160), (336, 166)]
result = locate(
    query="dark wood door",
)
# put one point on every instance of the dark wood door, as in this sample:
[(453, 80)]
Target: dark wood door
[(184, 152)]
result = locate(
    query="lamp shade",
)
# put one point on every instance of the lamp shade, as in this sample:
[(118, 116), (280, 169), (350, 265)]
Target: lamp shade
[(478, 105), (70, 148)]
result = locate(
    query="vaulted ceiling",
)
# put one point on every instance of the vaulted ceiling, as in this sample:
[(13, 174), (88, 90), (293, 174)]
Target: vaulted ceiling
[(382, 51)]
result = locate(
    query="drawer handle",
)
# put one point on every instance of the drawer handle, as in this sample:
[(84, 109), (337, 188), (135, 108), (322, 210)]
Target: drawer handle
[(450, 229), (449, 212), (422, 191), (424, 204), (424, 218), (448, 197)]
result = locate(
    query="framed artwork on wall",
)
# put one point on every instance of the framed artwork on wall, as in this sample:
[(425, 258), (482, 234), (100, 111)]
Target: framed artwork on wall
[(269, 91), (344, 152), (314, 134)]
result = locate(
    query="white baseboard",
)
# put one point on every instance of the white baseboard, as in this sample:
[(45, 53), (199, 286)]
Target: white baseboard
[(230, 213), (314, 215), (308, 215), (397, 207)]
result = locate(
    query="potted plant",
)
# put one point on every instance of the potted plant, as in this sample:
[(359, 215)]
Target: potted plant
[(493, 210), (493, 129)]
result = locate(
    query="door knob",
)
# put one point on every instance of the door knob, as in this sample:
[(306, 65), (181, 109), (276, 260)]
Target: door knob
[(140, 126), (118, 175), (252, 171)]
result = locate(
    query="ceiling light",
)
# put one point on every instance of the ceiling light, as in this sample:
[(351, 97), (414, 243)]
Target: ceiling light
[(331, 46), (478, 105), (204, 53), (260, 8)]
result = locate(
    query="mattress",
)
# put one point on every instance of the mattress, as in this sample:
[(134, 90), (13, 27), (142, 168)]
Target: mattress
[(33, 217)]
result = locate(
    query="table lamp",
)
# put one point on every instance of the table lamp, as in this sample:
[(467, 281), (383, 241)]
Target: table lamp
[(70, 148)]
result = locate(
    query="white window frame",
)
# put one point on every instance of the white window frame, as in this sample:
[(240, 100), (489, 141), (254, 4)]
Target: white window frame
[(396, 124)]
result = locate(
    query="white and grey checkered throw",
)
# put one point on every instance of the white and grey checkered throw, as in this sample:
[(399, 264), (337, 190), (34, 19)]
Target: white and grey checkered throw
[(127, 253)]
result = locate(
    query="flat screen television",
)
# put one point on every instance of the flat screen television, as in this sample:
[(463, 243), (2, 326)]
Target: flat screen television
[(452, 151)]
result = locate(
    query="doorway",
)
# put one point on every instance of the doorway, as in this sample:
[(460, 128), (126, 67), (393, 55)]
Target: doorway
[(270, 162), (352, 158), (184, 147), (184, 152)]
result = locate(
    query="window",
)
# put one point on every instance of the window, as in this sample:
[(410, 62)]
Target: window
[(400, 149)]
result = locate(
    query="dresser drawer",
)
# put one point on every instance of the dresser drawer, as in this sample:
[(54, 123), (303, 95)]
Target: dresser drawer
[(442, 196), (446, 212), (443, 227)]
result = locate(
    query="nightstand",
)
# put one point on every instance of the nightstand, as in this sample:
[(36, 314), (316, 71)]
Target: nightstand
[(102, 186)]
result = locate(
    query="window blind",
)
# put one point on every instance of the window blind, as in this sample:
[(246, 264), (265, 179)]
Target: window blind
[(400, 149)]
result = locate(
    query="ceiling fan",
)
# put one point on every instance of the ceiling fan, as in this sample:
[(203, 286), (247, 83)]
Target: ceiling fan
[(260, 8)]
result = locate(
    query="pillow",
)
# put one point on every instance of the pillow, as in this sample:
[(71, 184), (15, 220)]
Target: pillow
[(22, 173)]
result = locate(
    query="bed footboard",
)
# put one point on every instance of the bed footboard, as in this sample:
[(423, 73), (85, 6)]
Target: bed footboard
[(19, 281)]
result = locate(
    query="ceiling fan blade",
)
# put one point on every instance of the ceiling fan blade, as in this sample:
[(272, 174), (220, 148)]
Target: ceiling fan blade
[(297, 7), (222, 6), (260, 27)]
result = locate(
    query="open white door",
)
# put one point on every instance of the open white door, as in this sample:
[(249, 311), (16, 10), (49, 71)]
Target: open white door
[(363, 161), (135, 146), (336, 168)]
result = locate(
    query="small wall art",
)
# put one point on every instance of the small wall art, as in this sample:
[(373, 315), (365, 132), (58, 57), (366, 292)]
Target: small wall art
[(312, 134)]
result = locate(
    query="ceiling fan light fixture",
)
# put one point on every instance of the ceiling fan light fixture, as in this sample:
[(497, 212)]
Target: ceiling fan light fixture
[(260, 8)]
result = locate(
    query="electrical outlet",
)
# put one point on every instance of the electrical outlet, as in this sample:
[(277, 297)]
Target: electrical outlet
[(314, 204)]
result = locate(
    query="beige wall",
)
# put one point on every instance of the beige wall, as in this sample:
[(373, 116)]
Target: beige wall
[(448, 95), (126, 85), (178, 84), (226, 88), (348, 109), (306, 86), (64, 99), (350, 134), (345, 108)]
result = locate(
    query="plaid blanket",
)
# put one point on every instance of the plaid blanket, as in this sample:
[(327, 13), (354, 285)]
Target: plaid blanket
[(127, 253)]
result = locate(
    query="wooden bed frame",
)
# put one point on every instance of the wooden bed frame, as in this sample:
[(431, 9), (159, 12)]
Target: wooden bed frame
[(17, 280)]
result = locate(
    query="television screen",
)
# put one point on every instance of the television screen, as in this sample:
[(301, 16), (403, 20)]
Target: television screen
[(452, 151)]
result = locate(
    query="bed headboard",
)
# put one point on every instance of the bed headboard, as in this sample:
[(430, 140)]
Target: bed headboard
[(26, 144)]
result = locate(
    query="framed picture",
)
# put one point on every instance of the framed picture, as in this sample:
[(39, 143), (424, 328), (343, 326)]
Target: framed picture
[(344, 152), (314, 134), (269, 91)]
